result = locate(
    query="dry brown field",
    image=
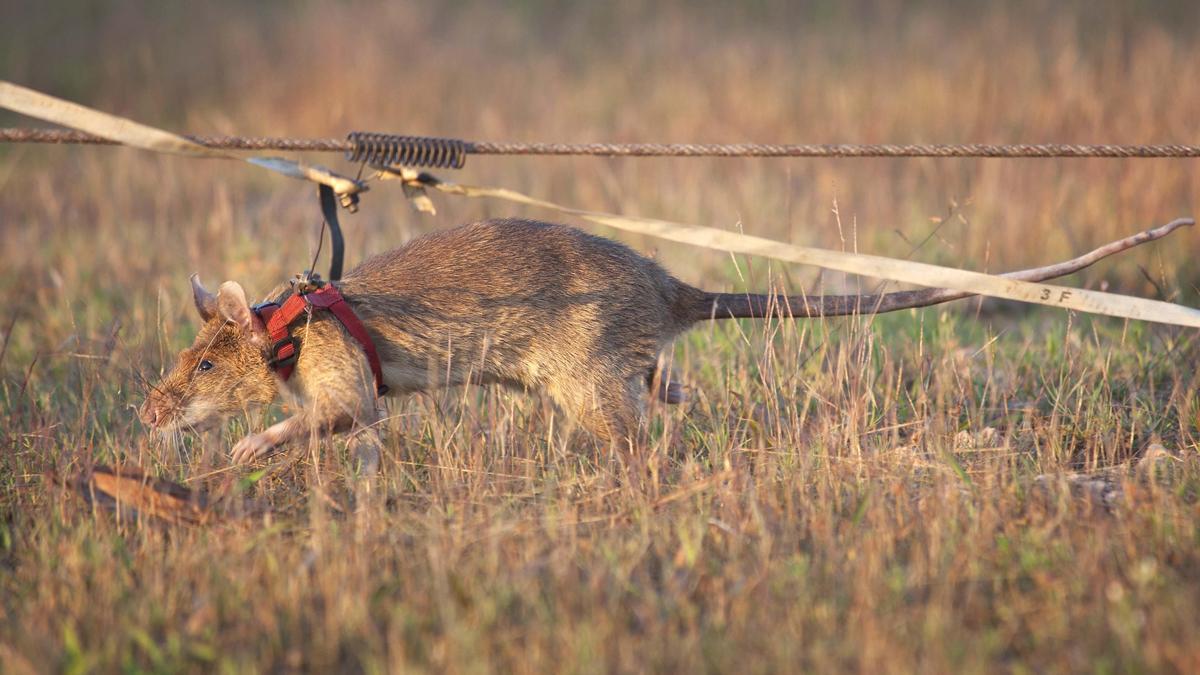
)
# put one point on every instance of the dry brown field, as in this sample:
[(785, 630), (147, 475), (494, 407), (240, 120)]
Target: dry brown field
[(977, 487)]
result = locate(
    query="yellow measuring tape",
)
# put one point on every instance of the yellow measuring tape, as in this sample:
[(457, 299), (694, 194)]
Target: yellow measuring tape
[(35, 104), (920, 274), (134, 134)]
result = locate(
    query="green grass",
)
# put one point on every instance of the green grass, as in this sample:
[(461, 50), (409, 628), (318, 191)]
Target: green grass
[(904, 493)]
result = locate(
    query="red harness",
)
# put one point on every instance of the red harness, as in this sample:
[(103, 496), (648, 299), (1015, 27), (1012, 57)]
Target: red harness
[(285, 348)]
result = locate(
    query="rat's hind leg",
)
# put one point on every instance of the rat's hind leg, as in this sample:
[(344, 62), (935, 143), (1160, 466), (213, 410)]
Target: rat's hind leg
[(609, 408), (662, 381), (365, 444)]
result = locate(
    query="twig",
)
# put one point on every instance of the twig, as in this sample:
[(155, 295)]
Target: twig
[(7, 337), (842, 305)]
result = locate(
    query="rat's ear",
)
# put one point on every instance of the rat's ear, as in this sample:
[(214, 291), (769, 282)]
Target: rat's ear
[(206, 303), (233, 307)]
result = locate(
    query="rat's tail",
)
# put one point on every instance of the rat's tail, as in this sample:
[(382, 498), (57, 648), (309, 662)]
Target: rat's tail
[(691, 304), (702, 306)]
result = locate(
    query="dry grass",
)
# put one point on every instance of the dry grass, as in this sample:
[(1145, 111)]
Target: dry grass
[(830, 498)]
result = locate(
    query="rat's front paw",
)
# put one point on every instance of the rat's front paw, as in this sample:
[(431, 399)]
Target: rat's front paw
[(252, 447)]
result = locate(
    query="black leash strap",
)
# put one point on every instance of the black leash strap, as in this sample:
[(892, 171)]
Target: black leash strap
[(329, 209)]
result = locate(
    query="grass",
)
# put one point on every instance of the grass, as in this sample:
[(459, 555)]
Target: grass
[(958, 489)]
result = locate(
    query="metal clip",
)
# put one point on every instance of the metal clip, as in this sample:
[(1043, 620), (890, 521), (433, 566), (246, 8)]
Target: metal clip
[(306, 282)]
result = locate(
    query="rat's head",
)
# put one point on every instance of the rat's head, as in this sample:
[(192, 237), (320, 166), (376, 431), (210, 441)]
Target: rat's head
[(224, 371)]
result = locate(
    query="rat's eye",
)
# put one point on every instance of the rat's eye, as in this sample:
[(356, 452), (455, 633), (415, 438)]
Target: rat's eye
[(204, 365)]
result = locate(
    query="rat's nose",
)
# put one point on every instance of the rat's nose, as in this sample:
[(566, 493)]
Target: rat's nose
[(149, 413)]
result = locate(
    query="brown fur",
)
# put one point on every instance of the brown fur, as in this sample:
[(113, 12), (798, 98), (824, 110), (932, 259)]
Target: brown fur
[(514, 302)]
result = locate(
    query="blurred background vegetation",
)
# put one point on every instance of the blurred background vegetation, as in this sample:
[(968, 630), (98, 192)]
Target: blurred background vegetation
[(823, 72)]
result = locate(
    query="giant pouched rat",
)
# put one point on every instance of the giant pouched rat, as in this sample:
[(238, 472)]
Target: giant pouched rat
[(515, 302)]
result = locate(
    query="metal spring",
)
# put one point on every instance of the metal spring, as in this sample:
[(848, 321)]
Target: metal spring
[(391, 150)]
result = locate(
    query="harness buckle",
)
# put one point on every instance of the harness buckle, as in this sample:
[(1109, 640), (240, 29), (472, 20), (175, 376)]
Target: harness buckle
[(278, 361)]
